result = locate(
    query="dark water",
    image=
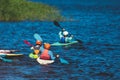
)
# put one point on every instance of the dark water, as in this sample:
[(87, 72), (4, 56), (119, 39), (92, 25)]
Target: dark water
[(96, 23)]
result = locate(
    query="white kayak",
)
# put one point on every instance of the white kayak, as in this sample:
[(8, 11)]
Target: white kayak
[(10, 55), (63, 44), (7, 51), (44, 62)]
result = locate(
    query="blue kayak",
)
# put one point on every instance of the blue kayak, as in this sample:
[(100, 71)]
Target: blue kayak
[(63, 44)]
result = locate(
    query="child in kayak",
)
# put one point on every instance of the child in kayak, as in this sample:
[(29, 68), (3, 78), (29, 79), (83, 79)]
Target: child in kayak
[(64, 36), (37, 49), (46, 53)]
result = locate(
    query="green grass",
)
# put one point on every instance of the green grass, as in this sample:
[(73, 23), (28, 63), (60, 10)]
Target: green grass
[(19, 10)]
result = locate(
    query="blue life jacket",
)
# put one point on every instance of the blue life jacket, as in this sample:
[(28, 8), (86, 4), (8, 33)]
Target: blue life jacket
[(62, 40)]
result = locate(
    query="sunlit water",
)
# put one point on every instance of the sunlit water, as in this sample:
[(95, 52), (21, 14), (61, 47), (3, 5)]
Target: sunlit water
[(97, 25)]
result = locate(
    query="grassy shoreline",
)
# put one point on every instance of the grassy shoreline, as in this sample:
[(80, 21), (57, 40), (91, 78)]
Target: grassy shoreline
[(20, 10)]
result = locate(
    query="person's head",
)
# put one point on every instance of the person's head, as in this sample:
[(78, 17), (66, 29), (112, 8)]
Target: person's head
[(38, 42), (47, 46), (65, 33)]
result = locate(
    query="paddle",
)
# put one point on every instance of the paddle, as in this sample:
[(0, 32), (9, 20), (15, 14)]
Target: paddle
[(63, 61), (28, 43), (38, 37), (58, 25), (5, 60)]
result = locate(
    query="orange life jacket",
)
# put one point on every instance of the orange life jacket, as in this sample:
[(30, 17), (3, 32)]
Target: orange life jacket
[(44, 55), (36, 49), (36, 52)]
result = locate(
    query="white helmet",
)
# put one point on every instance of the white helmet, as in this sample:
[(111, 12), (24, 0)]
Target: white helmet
[(65, 33)]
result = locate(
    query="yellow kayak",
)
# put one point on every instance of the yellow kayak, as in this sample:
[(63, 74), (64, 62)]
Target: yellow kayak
[(33, 56)]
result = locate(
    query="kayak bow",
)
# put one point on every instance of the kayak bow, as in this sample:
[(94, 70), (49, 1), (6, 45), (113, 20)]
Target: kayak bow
[(8, 51), (44, 62), (33, 56), (10, 55)]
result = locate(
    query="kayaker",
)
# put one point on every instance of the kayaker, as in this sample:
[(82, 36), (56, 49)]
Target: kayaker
[(64, 36), (47, 54), (37, 48)]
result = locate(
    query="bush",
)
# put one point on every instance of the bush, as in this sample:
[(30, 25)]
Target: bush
[(18, 10)]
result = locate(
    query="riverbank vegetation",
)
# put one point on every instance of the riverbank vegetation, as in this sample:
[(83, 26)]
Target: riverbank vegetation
[(19, 10)]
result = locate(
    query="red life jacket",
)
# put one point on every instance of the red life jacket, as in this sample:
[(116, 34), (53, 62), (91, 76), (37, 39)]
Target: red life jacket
[(44, 55)]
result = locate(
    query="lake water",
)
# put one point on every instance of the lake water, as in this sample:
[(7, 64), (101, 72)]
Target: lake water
[(96, 23)]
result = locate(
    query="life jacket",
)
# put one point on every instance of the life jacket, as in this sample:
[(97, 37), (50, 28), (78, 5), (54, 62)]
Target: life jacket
[(62, 40), (45, 55), (36, 49)]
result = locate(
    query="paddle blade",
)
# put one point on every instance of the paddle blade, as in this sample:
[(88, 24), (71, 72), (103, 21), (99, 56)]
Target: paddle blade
[(2, 55), (64, 61), (28, 43), (57, 24), (5, 60), (79, 41), (37, 37)]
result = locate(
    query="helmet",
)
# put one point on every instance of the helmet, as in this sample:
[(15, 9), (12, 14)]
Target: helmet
[(65, 33), (38, 42), (47, 45)]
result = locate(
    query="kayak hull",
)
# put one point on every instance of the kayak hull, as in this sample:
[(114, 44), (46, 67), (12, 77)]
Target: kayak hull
[(8, 51), (10, 55), (33, 56), (44, 62), (63, 44)]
